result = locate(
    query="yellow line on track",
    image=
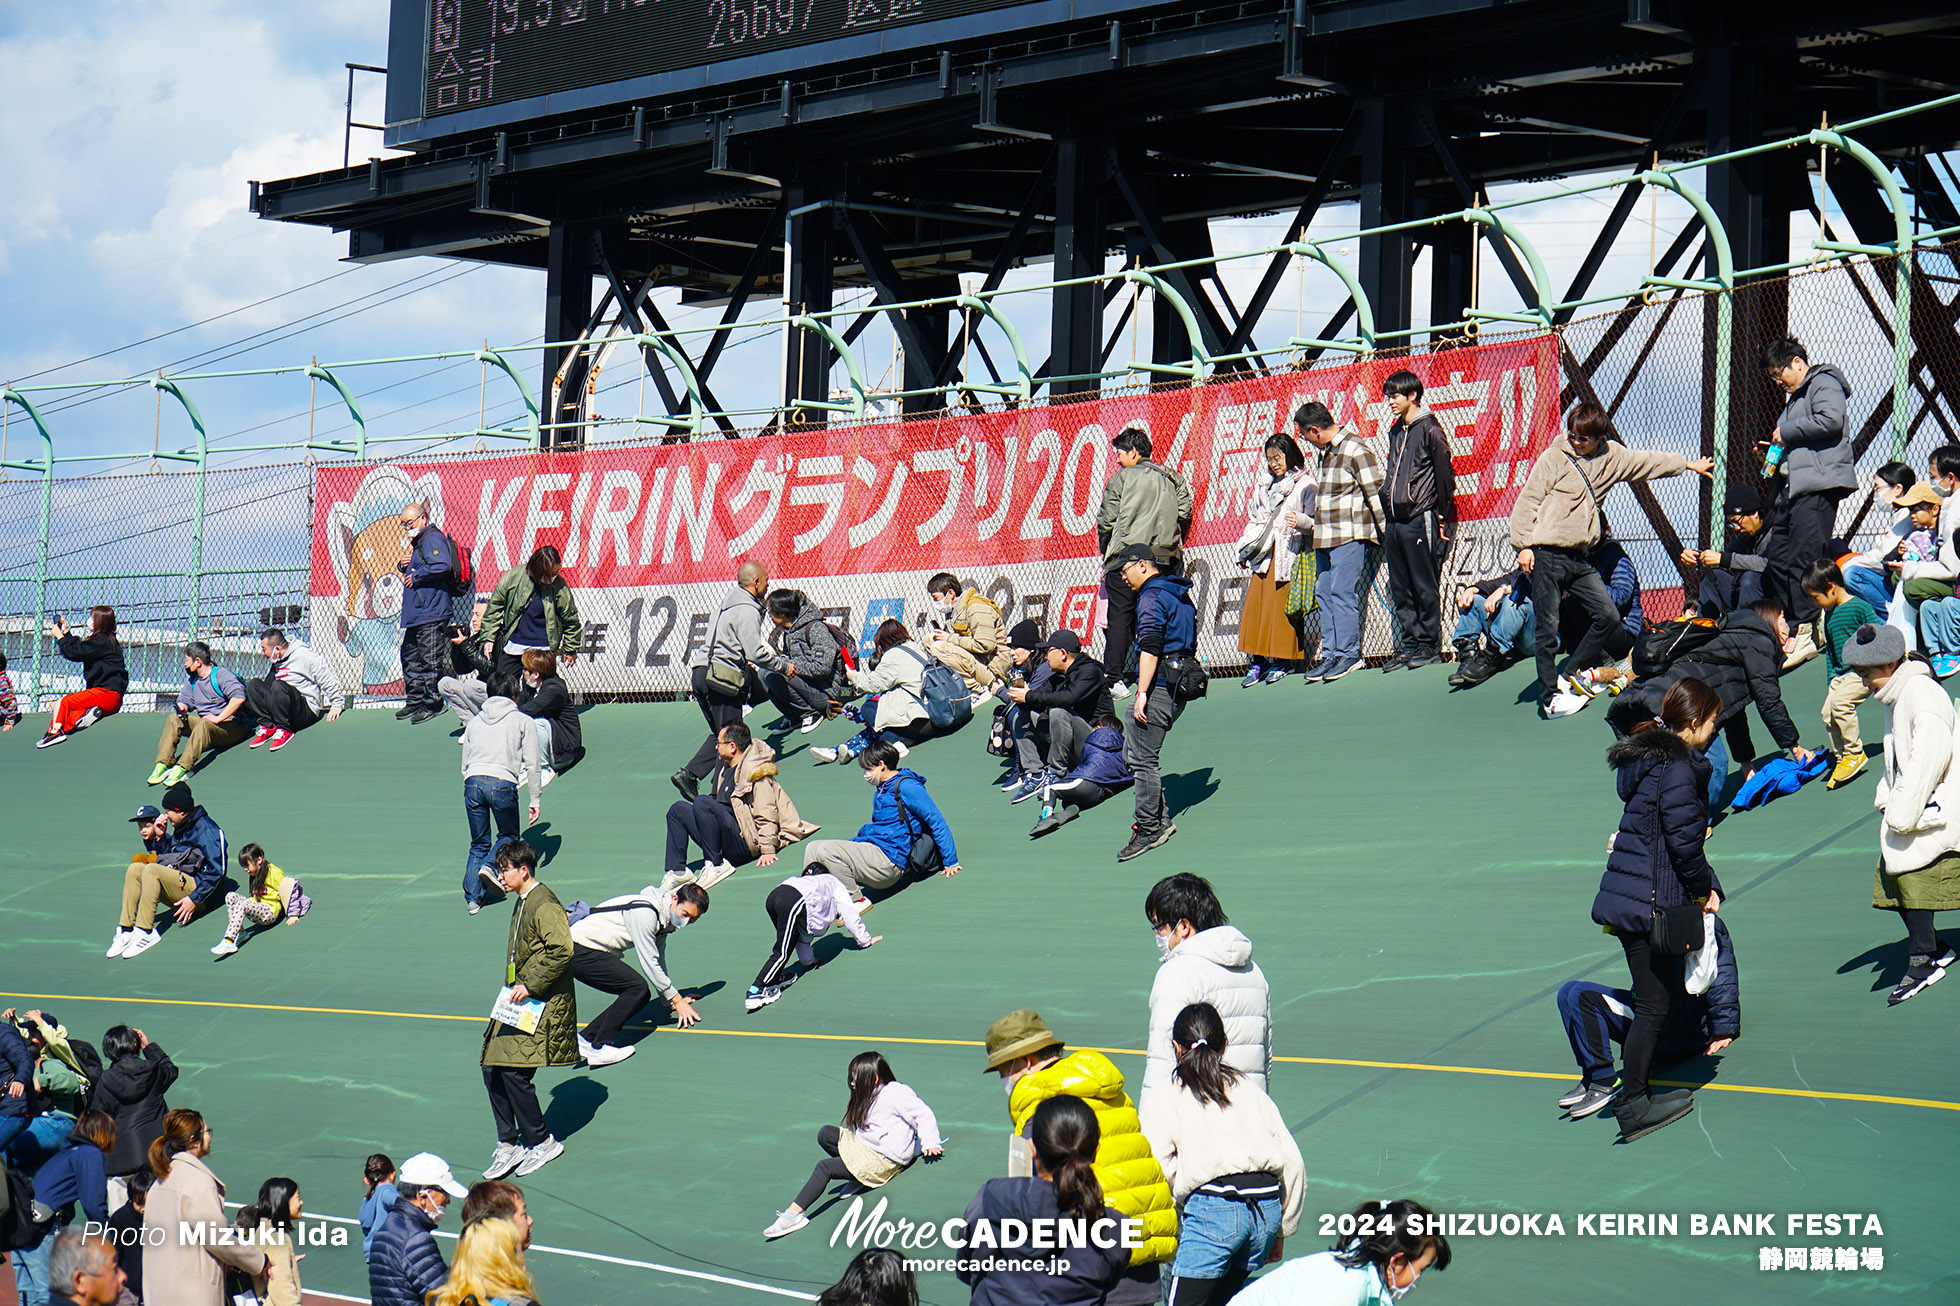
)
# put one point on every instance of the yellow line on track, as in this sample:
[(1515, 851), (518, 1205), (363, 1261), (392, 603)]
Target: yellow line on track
[(1926, 1103)]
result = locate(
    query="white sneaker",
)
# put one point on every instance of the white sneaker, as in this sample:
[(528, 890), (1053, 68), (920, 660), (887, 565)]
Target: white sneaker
[(675, 879), (756, 999), (475, 907), (713, 873), (89, 718), (584, 1049), (225, 948), (809, 723), (746, 709), (535, 1159), (824, 754), (120, 942), (787, 1222), (1120, 690), (904, 750), (606, 1056), (545, 776), (141, 941), (503, 1160), (1565, 703)]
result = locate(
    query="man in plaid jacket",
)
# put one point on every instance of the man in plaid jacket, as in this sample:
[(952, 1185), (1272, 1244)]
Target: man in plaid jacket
[(1347, 533)]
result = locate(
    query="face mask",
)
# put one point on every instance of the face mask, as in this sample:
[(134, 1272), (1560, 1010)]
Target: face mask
[(1942, 489), (1392, 1293), (946, 609), (1164, 946), (681, 922)]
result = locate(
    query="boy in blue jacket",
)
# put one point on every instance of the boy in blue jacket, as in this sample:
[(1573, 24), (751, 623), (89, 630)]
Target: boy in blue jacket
[(880, 854), (1101, 773), (1597, 1017)]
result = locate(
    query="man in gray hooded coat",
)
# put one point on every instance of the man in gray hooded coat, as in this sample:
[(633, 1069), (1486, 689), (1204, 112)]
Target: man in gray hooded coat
[(1818, 463)]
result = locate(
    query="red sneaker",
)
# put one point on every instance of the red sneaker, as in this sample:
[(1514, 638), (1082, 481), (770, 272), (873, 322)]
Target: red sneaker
[(280, 738), (264, 733)]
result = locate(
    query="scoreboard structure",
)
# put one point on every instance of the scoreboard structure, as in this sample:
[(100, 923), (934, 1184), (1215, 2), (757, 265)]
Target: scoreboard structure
[(488, 63), (752, 150)]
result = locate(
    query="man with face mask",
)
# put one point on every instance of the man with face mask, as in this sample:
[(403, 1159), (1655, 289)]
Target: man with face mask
[(428, 569), (1203, 959), (404, 1263), (746, 816), (967, 633), (879, 855), (643, 922), (1034, 1066)]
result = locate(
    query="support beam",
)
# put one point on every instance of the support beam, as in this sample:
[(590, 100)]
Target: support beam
[(1075, 322), (1451, 252), (1386, 185), (1752, 197), (921, 331), (807, 289), (570, 257)]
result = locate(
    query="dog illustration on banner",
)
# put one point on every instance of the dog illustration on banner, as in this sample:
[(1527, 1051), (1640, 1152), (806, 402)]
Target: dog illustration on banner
[(364, 540)]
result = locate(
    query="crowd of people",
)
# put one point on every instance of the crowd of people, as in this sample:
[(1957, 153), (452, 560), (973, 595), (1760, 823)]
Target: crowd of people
[(1201, 1157)]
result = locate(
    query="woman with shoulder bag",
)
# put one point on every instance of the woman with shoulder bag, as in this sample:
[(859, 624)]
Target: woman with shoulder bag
[(1658, 883), (1269, 634), (1919, 839)]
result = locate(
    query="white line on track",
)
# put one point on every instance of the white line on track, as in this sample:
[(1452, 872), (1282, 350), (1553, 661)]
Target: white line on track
[(585, 1256)]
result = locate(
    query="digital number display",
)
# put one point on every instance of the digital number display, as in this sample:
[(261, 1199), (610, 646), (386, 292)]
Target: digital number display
[(489, 52)]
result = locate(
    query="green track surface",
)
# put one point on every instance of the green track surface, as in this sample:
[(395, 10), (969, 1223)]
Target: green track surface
[(1414, 867)]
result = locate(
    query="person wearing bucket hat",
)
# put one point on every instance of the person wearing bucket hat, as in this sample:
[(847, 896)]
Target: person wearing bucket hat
[(403, 1262), (1919, 846), (1034, 1066)]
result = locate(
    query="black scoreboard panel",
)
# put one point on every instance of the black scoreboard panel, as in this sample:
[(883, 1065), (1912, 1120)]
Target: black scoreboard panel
[(483, 53)]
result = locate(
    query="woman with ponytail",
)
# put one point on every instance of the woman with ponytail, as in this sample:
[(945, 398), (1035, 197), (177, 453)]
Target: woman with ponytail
[(1657, 862), (1383, 1251), (187, 1197), (1234, 1168), (1090, 1256)]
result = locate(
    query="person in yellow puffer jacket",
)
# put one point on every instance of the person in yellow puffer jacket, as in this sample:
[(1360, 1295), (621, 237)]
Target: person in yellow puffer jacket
[(1035, 1066)]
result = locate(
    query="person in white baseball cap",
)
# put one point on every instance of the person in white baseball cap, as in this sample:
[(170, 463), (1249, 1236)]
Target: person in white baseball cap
[(403, 1263)]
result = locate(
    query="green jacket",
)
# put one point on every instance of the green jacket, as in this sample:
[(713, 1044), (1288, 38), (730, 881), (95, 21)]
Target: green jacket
[(513, 595), (541, 960)]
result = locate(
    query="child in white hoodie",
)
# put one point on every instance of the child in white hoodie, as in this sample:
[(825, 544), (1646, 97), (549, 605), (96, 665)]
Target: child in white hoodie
[(886, 1127), (801, 908), (1234, 1169), (499, 747)]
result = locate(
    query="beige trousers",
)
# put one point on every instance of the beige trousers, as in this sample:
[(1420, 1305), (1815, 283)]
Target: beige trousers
[(1841, 712), (144, 885)]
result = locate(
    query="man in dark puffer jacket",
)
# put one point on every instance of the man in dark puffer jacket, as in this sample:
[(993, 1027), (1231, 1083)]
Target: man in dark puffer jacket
[(403, 1263), (1059, 712), (1741, 663)]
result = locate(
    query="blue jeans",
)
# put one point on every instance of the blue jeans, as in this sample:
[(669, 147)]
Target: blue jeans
[(485, 799), (1342, 592), (1219, 1238), (41, 1139), (1510, 630), (12, 1127), (1939, 626), (1868, 583), (31, 1271), (1718, 774)]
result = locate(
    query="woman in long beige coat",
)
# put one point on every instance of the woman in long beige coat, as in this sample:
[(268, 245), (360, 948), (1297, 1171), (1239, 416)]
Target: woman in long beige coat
[(187, 1208)]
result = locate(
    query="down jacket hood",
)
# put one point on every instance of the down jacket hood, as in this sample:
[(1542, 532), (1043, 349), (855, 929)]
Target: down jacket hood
[(1214, 966), (1643, 748), (1224, 945)]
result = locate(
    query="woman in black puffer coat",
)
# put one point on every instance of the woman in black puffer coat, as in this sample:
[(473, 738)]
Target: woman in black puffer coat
[(1658, 860)]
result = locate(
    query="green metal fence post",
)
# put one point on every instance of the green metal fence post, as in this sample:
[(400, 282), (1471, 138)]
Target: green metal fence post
[(496, 359), (1901, 276), (202, 459), (11, 396), (319, 373), (1724, 288)]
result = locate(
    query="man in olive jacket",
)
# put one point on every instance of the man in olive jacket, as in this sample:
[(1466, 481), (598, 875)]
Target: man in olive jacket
[(539, 968)]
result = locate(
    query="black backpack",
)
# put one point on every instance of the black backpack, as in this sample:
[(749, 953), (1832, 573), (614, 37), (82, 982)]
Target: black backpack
[(18, 1227), (88, 1060), (1663, 643)]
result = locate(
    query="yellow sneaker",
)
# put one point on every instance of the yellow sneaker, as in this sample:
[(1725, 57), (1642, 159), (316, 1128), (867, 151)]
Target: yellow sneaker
[(1849, 767)]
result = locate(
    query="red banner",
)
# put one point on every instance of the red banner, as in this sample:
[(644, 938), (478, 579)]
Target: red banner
[(858, 516)]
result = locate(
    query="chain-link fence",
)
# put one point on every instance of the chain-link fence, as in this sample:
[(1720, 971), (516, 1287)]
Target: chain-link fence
[(221, 554)]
